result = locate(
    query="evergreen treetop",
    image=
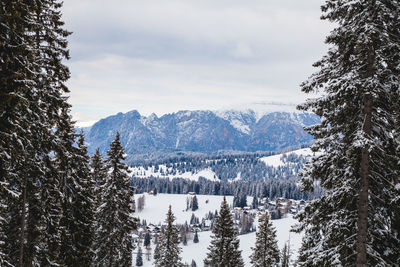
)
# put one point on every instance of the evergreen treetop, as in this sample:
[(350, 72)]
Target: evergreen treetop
[(224, 248), (266, 252)]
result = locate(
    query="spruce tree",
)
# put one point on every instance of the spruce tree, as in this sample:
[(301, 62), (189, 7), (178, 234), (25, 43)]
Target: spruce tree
[(285, 255), (266, 252), (352, 224), (224, 249), (116, 221), (195, 204), (196, 237), (139, 257), (83, 208), (32, 76), (99, 175), (168, 244), (147, 239)]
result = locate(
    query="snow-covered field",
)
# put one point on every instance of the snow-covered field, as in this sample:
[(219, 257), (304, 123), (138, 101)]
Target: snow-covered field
[(155, 212), (275, 160), (141, 172)]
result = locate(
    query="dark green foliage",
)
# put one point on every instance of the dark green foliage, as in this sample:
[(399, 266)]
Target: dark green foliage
[(156, 252), (224, 249), (285, 256), (194, 204), (358, 82), (139, 257), (32, 77), (266, 252), (168, 244), (196, 237), (147, 239), (115, 221)]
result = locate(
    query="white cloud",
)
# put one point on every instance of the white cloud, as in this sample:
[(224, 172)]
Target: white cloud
[(160, 56)]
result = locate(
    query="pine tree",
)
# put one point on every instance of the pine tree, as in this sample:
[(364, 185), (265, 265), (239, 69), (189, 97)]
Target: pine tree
[(115, 216), (139, 257), (168, 244), (147, 240), (196, 237), (285, 255), (156, 252), (195, 204), (83, 208), (224, 249), (266, 252), (99, 175), (352, 224), (32, 83), (193, 264)]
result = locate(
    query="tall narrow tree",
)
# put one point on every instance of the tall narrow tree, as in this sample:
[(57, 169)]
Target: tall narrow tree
[(116, 221), (168, 244), (266, 252), (358, 81), (224, 249)]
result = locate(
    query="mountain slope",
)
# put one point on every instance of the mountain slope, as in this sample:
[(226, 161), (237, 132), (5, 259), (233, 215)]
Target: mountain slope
[(202, 131)]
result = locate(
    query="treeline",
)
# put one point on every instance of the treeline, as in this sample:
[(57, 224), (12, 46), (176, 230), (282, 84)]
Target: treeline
[(55, 209), (270, 188)]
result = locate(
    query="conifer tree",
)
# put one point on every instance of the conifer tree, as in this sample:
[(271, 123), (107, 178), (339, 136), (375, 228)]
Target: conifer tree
[(116, 221), (156, 252), (352, 224), (99, 175), (139, 257), (147, 240), (168, 244), (266, 252), (83, 208), (224, 249), (196, 237), (285, 255), (32, 77), (195, 203)]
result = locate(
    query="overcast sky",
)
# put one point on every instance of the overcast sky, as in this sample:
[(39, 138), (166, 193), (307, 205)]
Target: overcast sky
[(163, 56)]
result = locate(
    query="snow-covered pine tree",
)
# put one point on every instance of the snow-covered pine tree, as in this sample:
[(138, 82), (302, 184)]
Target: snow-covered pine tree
[(15, 81), (168, 244), (266, 252), (115, 216), (358, 80), (99, 175), (156, 252), (224, 249), (285, 256), (32, 83), (83, 208)]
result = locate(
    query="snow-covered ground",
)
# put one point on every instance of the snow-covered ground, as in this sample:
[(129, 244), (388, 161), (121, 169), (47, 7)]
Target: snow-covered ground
[(275, 160), (155, 212), (141, 172)]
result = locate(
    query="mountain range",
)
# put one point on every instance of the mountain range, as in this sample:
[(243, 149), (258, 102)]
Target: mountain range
[(201, 132)]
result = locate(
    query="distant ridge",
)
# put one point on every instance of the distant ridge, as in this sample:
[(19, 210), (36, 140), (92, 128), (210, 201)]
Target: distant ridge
[(202, 131)]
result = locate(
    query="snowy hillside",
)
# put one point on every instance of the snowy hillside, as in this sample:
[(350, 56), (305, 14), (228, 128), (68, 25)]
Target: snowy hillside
[(276, 160), (164, 172), (156, 207)]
